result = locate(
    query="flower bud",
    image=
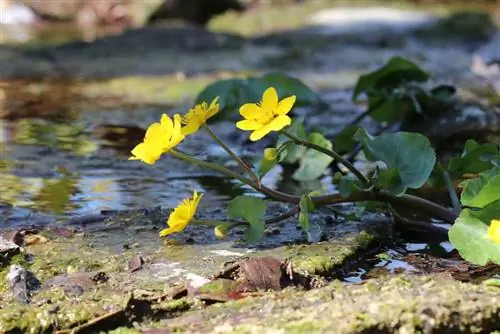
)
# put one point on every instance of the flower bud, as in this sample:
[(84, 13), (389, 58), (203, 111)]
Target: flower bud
[(221, 231), (270, 154)]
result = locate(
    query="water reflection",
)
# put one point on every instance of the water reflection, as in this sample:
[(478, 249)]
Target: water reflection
[(63, 169)]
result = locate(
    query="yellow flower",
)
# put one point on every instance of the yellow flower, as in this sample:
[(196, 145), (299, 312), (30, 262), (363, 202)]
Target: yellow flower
[(182, 215), (268, 115), (198, 115), (494, 231), (159, 139)]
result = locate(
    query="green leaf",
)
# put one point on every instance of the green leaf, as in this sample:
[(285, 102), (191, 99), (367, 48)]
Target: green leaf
[(349, 184), (475, 158), (287, 85), (390, 180), (468, 235), (252, 209), (394, 73), (313, 163), (390, 109), (344, 141), (410, 154), (224, 89), (292, 153), (481, 190)]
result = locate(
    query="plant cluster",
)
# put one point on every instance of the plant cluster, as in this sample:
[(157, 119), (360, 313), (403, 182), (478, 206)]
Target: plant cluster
[(404, 162)]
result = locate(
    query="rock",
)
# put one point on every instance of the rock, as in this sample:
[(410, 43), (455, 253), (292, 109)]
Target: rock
[(194, 11), (82, 12), (486, 63), (14, 13), (343, 20), (7, 249), (17, 278)]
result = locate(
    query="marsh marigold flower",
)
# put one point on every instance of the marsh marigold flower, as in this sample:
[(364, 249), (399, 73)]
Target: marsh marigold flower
[(494, 231), (268, 115), (182, 215), (159, 139), (198, 115)]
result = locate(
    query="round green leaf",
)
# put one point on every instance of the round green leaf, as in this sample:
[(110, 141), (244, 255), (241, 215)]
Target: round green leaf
[(287, 85), (468, 235), (411, 154)]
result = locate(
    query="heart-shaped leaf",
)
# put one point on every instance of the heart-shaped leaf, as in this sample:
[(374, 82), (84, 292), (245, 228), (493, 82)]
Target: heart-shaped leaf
[(411, 154), (469, 235), (252, 209)]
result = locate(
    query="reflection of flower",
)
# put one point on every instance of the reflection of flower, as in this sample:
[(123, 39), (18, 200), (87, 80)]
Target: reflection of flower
[(494, 231), (269, 115), (159, 139), (182, 215), (198, 115)]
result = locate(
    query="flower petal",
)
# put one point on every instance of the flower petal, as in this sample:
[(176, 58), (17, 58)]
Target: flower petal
[(259, 133), (279, 123), (145, 153), (270, 99), (190, 128), (249, 110), (285, 105), (248, 125), (166, 123)]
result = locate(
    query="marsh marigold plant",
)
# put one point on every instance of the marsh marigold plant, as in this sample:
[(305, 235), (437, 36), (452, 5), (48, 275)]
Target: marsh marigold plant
[(182, 215), (160, 138), (268, 115)]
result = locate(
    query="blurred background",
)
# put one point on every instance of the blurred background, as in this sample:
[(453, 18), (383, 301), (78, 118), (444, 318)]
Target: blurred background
[(80, 80)]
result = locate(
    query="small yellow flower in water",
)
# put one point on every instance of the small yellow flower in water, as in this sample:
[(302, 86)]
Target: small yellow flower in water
[(494, 231), (268, 115), (221, 231), (198, 116), (159, 139), (270, 154), (182, 215)]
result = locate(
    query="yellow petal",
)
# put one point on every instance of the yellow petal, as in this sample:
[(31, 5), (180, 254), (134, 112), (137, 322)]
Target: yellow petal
[(168, 231), (166, 123), (145, 153), (259, 133), (270, 99), (279, 123), (494, 231), (249, 110), (248, 125), (190, 128), (285, 105)]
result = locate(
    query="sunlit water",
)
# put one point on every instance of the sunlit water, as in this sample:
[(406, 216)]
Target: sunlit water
[(66, 169)]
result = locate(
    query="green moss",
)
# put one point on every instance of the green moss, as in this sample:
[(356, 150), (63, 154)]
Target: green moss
[(174, 306)]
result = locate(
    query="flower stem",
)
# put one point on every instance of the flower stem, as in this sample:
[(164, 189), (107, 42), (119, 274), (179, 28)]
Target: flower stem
[(277, 195), (232, 154), (330, 153), (455, 202), (431, 208)]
